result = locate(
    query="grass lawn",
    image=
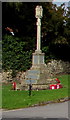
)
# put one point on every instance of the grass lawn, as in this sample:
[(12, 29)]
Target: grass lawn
[(20, 99)]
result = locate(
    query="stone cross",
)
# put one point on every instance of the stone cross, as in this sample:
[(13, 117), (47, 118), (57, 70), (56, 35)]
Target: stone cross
[(38, 15)]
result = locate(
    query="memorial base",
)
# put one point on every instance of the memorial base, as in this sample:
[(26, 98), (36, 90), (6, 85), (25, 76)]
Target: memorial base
[(37, 58), (38, 75)]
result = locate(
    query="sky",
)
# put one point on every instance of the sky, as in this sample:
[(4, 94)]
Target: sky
[(61, 0)]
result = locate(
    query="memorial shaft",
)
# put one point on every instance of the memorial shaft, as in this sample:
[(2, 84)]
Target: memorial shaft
[(38, 34), (38, 15)]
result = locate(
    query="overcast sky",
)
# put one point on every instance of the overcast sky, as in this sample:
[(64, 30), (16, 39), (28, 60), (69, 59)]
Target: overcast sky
[(61, 0)]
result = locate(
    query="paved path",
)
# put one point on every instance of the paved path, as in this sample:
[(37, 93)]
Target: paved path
[(57, 110)]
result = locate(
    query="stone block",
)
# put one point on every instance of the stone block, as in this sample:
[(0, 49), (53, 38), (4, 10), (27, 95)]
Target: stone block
[(37, 58)]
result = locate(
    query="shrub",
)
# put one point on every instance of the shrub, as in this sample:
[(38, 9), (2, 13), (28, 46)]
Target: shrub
[(15, 54)]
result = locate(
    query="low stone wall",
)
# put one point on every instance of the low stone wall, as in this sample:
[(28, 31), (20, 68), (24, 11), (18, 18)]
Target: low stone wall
[(58, 67), (54, 67), (6, 76)]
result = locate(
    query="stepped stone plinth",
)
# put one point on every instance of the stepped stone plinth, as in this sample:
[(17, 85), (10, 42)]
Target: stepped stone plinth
[(38, 75)]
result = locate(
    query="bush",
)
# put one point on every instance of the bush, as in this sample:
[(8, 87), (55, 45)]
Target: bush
[(15, 54)]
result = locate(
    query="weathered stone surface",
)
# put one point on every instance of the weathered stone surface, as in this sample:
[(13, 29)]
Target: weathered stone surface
[(20, 77), (44, 73), (39, 77), (6, 76), (37, 58), (54, 67), (39, 87), (58, 67)]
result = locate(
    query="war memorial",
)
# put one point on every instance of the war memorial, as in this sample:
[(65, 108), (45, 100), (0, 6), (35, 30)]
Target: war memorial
[(38, 75)]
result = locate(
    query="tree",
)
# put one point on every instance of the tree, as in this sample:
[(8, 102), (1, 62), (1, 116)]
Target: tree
[(54, 28), (14, 55), (67, 26), (20, 16)]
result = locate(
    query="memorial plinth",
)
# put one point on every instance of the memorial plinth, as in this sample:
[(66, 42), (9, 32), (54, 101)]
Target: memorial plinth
[(37, 59), (38, 75)]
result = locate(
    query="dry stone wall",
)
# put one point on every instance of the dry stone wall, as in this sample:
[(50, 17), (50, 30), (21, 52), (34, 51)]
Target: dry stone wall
[(58, 67), (54, 67), (6, 76)]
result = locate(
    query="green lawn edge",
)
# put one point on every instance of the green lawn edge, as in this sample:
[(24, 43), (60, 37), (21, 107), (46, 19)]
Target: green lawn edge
[(21, 99)]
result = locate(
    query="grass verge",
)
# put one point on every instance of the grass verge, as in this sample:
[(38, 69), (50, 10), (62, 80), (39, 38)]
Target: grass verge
[(21, 99)]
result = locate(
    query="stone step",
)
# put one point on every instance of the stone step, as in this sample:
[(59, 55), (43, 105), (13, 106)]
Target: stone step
[(31, 81), (32, 76), (33, 72)]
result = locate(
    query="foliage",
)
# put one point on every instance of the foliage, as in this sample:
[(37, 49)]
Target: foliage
[(15, 54), (20, 16), (48, 54), (21, 99), (67, 28)]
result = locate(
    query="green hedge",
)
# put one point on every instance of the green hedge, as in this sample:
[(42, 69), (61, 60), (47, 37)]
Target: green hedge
[(16, 56)]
